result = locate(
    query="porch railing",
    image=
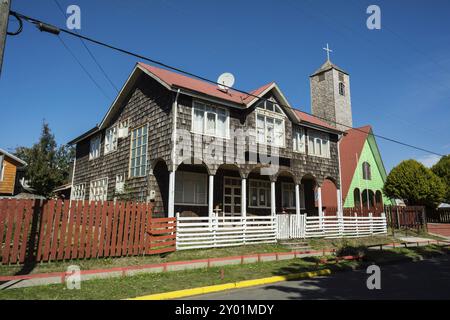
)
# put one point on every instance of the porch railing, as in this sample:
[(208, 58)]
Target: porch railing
[(213, 232)]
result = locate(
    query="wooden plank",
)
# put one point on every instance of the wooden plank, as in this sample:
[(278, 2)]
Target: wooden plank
[(109, 229), (77, 230), (143, 229), (162, 231), (120, 228), (3, 210), (137, 237), (41, 233), (103, 225), (83, 227), (26, 226), (48, 229), (169, 236), (115, 229), (17, 231), (96, 231), (12, 204), (126, 229), (162, 244), (89, 234), (56, 225), (70, 234), (111, 234), (63, 234), (133, 213), (158, 220)]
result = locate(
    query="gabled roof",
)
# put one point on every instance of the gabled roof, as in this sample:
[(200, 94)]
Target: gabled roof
[(195, 87), (327, 66), (351, 147), (13, 157), (173, 79)]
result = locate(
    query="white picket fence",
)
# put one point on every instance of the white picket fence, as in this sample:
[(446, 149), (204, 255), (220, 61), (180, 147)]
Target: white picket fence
[(213, 232), (302, 226)]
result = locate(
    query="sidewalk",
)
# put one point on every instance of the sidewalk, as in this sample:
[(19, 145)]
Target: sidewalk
[(20, 281)]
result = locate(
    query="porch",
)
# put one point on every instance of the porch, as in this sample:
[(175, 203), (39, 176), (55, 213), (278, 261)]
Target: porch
[(229, 191)]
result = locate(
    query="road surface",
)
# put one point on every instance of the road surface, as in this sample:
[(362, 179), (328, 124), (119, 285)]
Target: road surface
[(428, 279)]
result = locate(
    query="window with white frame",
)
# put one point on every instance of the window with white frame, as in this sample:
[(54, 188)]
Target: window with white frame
[(98, 190), (318, 144), (2, 157), (298, 139), (94, 147), (120, 183), (259, 193), (210, 120), (123, 129), (270, 130), (138, 161), (270, 105), (288, 195), (78, 192), (190, 188), (111, 139)]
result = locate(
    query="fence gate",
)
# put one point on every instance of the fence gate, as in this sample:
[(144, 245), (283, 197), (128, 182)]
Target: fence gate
[(290, 226)]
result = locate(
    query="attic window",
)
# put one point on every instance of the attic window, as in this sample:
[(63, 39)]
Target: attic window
[(341, 76), (270, 105), (321, 77)]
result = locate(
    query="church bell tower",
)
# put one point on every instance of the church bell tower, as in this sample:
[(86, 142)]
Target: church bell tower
[(330, 95)]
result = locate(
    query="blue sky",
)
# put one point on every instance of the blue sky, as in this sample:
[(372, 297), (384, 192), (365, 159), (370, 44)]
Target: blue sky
[(400, 75)]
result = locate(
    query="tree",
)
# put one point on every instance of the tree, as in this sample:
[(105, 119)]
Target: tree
[(442, 170), (413, 182), (48, 164)]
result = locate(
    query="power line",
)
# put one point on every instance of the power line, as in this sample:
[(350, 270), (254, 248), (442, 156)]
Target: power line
[(52, 29), (82, 67), (90, 53)]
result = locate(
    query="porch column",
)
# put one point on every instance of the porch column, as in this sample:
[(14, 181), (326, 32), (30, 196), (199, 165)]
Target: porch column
[(211, 196), (339, 202), (272, 198), (171, 201), (297, 199), (319, 201), (244, 197)]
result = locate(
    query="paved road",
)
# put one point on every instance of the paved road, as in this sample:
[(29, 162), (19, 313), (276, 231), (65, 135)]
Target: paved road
[(428, 279)]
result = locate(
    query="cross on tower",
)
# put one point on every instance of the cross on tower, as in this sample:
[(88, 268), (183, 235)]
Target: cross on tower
[(328, 50)]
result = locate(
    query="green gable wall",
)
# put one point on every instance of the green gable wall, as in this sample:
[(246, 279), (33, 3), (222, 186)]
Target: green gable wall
[(370, 154)]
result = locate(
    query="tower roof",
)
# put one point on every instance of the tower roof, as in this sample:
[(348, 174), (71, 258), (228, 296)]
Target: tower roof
[(328, 65)]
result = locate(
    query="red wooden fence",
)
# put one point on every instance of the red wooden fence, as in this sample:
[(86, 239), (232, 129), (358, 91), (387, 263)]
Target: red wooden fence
[(409, 217), (62, 230)]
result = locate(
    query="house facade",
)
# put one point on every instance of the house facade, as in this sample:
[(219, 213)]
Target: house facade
[(362, 171), (191, 147), (9, 165)]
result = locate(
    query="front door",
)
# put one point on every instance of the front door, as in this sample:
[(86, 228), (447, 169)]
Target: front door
[(231, 196)]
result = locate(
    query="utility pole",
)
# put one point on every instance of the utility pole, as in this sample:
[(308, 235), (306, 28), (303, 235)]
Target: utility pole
[(4, 15)]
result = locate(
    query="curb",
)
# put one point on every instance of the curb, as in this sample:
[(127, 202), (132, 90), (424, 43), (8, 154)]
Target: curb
[(229, 286)]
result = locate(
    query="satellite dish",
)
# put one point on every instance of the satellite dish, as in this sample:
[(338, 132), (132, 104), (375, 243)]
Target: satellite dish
[(226, 80)]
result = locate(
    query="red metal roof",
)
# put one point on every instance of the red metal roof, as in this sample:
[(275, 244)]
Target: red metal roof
[(350, 149), (311, 119), (179, 80)]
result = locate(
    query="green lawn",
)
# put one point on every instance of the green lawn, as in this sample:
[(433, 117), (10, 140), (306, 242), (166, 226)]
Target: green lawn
[(88, 264), (129, 287)]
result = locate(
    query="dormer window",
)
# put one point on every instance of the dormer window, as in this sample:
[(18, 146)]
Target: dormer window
[(341, 88), (111, 140)]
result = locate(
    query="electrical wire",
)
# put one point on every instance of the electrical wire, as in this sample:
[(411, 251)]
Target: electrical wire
[(90, 53), (41, 24)]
